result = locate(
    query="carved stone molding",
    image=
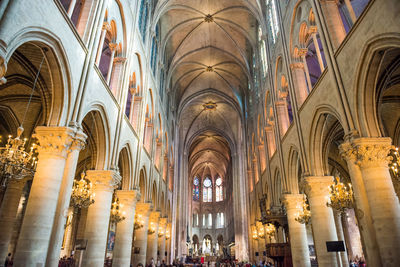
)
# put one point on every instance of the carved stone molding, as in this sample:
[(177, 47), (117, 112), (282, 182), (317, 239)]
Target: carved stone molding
[(296, 65), (3, 70), (104, 180), (54, 140), (79, 141), (293, 201), (128, 197), (318, 185), (143, 209)]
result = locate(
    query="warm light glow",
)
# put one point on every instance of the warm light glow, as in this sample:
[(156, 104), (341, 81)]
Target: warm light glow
[(395, 163), (139, 222), (304, 216), (82, 196), (116, 212), (341, 196)]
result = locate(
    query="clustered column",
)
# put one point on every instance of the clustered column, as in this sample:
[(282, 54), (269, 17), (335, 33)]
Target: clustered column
[(297, 231), (323, 222), (98, 216), (123, 238)]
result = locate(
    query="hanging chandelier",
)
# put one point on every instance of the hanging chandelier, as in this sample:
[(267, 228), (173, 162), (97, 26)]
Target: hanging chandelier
[(82, 195), (138, 222), (270, 229), (15, 161), (395, 163), (305, 216), (260, 230), (341, 196), (254, 232), (152, 229), (167, 234), (161, 232), (116, 214)]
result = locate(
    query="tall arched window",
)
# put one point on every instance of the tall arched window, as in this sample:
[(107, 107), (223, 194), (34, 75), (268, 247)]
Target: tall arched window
[(218, 190), (154, 50), (196, 189), (143, 15), (263, 52), (272, 19), (207, 190)]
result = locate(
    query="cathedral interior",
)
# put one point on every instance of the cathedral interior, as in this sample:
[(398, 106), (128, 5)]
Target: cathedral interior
[(137, 132)]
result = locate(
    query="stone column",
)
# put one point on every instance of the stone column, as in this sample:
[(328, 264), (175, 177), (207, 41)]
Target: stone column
[(362, 209), (140, 241), (98, 216), (314, 31), (297, 231), (269, 133), (333, 21), (283, 116), (38, 221), (3, 70), (8, 212), (302, 54), (168, 242), (123, 237), (300, 82), (116, 75), (323, 222), (372, 157), (71, 8), (152, 239), (104, 29), (340, 234), (113, 48), (161, 237), (64, 197)]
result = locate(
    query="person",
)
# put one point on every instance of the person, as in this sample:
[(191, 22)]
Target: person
[(8, 260)]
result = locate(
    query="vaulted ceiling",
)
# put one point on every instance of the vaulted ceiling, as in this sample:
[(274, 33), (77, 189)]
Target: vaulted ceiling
[(208, 47)]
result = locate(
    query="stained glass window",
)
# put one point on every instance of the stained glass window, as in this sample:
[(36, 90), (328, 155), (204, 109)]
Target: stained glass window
[(196, 189), (272, 19), (207, 190), (218, 190)]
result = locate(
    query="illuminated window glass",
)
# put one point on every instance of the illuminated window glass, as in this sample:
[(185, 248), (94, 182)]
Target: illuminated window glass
[(196, 189), (207, 190)]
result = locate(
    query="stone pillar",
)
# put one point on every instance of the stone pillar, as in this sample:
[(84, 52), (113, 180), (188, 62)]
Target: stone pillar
[(333, 21), (340, 235), (123, 238), (3, 70), (113, 48), (38, 221), (71, 8), (283, 116), (269, 133), (152, 239), (297, 231), (372, 157), (116, 75), (314, 31), (101, 43), (362, 209), (8, 212), (302, 54), (300, 82), (98, 216), (168, 242), (64, 199), (140, 241), (323, 222), (161, 238)]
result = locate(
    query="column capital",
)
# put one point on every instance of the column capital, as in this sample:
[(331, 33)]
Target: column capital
[(79, 141), (119, 60), (104, 180), (106, 26), (313, 29), (318, 185), (128, 197), (367, 152), (293, 201), (143, 209), (303, 51), (154, 216), (112, 46), (163, 222), (54, 140)]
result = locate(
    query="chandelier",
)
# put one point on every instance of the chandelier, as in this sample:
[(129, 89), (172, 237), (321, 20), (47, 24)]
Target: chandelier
[(395, 164), (161, 232), (116, 214), (305, 216), (138, 222), (152, 229), (341, 196), (15, 161), (254, 232), (167, 234), (270, 229), (260, 231), (82, 195)]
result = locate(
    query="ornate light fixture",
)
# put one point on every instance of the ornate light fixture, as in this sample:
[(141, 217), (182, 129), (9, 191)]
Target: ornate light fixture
[(138, 222), (82, 195), (270, 229), (305, 216), (260, 230), (152, 229), (254, 232), (15, 161), (116, 214), (395, 164), (167, 234), (341, 196), (161, 232)]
